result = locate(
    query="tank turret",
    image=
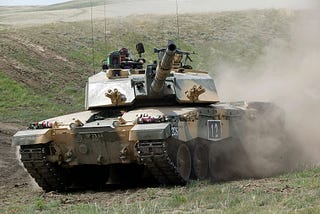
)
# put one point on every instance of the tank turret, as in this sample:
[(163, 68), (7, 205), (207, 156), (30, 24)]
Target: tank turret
[(163, 69)]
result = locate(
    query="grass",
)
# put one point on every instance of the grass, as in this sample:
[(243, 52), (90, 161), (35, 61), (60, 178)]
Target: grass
[(16, 99), (297, 192), (21, 104)]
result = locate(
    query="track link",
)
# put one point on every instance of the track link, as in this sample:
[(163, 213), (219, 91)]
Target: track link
[(46, 174), (154, 155)]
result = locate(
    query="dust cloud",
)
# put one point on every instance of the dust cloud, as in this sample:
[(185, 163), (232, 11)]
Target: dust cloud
[(288, 75)]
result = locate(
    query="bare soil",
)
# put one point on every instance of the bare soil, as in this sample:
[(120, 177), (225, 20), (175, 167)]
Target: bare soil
[(14, 180)]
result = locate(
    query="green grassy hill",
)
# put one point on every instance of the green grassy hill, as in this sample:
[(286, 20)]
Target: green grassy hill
[(50, 63)]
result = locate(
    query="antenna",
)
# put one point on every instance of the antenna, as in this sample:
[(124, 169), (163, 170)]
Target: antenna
[(92, 34), (105, 22), (178, 26)]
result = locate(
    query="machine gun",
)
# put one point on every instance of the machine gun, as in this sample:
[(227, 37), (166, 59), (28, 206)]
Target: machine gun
[(186, 58)]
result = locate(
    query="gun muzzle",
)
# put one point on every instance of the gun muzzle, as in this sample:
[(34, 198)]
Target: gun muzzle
[(163, 69)]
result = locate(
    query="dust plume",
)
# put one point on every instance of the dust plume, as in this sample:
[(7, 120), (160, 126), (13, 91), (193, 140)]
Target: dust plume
[(288, 75)]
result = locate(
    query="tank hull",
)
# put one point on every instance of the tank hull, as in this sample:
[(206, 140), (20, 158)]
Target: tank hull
[(171, 145)]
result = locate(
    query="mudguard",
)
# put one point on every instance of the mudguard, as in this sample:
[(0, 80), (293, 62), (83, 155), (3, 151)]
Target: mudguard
[(29, 137), (154, 131)]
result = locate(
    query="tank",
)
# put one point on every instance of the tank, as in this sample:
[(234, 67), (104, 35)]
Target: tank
[(162, 123)]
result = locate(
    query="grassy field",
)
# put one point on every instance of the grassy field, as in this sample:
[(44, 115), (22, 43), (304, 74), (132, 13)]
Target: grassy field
[(290, 193)]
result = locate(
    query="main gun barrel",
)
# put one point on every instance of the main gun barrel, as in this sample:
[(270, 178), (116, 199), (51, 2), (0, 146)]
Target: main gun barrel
[(163, 69)]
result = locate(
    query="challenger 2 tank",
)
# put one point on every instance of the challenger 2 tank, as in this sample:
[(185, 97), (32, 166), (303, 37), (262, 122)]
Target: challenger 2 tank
[(163, 122)]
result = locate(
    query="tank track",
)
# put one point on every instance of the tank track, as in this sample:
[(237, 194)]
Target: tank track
[(48, 175), (154, 155)]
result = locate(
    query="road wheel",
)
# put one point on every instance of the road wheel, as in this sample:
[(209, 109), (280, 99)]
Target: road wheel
[(184, 161), (200, 161)]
